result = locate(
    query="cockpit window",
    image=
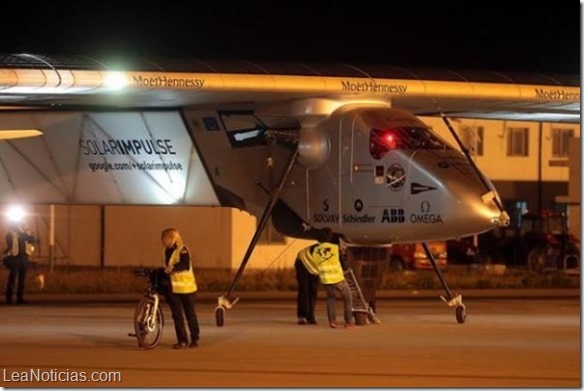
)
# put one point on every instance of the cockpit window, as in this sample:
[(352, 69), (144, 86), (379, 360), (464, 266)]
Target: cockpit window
[(408, 137)]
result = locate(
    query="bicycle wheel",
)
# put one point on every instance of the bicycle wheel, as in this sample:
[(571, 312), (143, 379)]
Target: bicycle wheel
[(148, 332)]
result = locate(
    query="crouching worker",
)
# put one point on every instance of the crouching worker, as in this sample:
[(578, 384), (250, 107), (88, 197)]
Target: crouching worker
[(328, 262), (308, 281), (181, 295)]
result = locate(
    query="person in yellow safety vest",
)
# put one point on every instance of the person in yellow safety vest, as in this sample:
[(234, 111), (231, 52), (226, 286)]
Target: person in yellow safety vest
[(181, 297), (19, 247), (328, 262), (308, 281)]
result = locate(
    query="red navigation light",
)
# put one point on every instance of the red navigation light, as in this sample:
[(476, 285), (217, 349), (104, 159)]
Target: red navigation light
[(390, 140), (383, 141)]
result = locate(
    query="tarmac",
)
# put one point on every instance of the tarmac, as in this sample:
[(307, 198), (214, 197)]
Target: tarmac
[(508, 341), (474, 294)]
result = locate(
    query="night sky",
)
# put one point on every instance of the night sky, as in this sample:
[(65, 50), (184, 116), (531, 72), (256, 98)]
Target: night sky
[(528, 37)]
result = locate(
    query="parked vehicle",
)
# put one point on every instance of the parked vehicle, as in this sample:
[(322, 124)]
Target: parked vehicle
[(541, 242), (412, 256), (463, 252)]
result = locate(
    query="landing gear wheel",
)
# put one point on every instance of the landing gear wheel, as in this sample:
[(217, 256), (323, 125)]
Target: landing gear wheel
[(460, 313), (225, 301), (219, 316), (360, 318)]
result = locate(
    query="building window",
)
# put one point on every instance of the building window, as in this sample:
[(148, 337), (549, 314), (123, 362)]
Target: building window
[(561, 141), (517, 141)]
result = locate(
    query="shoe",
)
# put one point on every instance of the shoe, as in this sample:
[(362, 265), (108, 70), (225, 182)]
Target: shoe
[(8, 301), (21, 302), (179, 345), (301, 321), (193, 344), (312, 321), (333, 325), (349, 325)]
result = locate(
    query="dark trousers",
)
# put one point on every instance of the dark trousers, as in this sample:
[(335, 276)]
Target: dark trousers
[(307, 291), (17, 269), (181, 305)]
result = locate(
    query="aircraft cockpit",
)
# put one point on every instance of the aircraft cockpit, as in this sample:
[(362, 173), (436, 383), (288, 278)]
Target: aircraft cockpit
[(382, 141)]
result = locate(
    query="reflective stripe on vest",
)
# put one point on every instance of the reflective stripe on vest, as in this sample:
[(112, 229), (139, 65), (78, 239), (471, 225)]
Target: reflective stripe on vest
[(13, 250), (183, 281), (326, 257)]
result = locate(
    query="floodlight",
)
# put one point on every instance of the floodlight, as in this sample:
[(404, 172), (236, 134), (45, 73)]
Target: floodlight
[(15, 213)]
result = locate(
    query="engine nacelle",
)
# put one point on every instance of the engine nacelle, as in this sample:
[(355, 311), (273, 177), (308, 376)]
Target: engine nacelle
[(314, 147)]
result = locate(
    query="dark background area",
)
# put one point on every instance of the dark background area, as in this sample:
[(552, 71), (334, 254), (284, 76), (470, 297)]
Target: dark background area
[(533, 37)]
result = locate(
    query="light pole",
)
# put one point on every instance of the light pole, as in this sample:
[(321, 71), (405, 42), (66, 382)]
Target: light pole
[(51, 236)]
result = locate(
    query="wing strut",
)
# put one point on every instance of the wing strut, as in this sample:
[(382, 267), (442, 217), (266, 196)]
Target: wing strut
[(226, 302), (504, 217)]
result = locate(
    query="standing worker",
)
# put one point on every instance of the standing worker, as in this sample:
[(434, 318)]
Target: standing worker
[(19, 246), (330, 271), (308, 281), (181, 296)]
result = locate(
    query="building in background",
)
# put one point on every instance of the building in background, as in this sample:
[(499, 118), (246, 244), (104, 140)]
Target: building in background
[(573, 197)]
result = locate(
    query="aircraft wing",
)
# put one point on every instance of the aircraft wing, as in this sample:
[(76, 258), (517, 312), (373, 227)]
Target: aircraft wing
[(31, 81)]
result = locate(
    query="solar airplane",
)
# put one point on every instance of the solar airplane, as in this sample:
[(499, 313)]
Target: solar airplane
[(310, 146)]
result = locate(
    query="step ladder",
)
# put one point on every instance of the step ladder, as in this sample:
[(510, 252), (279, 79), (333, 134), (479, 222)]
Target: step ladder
[(358, 302)]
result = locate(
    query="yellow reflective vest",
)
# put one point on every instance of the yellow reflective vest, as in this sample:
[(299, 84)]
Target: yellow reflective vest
[(182, 281), (307, 257), (14, 249), (328, 262)]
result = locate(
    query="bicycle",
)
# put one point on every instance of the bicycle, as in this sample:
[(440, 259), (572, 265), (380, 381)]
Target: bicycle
[(148, 317)]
